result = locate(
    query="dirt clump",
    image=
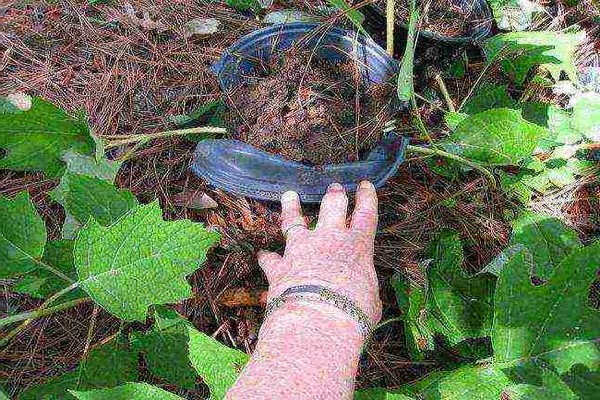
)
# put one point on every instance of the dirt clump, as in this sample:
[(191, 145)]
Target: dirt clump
[(308, 109)]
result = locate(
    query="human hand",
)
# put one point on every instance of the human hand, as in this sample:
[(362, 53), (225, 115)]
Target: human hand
[(333, 255)]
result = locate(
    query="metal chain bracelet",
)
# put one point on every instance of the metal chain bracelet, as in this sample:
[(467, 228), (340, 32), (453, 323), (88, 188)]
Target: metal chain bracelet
[(321, 294)]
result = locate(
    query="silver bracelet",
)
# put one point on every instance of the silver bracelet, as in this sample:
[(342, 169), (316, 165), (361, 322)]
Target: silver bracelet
[(322, 294)]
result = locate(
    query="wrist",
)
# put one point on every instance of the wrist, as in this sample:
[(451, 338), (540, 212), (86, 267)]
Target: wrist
[(320, 321)]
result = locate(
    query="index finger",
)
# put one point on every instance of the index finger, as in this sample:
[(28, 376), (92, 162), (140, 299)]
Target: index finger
[(365, 214)]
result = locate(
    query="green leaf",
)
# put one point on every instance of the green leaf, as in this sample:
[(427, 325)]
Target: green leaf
[(484, 382), (42, 283), (558, 122), (244, 5), (107, 366), (518, 52), (499, 136), (356, 17), (453, 119), (513, 185), (165, 349), (35, 139), (489, 97), (586, 115), (379, 394), (406, 85), (553, 322), (514, 15), (89, 197), (412, 301), (537, 383), (462, 304), (129, 391), (583, 381), (140, 260), (548, 240), (94, 167), (217, 364), (22, 235)]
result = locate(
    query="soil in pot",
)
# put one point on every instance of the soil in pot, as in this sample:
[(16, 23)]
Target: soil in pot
[(450, 18), (308, 109)]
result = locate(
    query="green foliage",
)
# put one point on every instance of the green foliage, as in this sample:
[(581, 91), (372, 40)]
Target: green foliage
[(89, 197), (217, 364), (140, 260), (544, 336), (586, 115), (245, 5), (42, 283), (356, 17), (22, 236), (514, 15), (498, 137), (107, 366), (36, 139), (487, 98), (87, 166), (518, 52), (165, 349), (129, 391), (461, 304), (547, 239)]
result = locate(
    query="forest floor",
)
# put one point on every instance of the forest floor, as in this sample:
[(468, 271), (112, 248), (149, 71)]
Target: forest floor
[(132, 68)]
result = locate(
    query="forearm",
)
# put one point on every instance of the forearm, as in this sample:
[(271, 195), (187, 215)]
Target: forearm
[(305, 350)]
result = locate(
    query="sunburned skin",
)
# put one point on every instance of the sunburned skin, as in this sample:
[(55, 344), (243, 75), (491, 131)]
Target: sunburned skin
[(307, 349)]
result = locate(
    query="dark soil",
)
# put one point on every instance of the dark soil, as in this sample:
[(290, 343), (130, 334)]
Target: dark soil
[(446, 17), (308, 109)]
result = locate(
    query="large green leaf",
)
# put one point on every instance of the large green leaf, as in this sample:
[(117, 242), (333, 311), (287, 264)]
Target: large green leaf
[(379, 394), (548, 240), (514, 15), (89, 197), (412, 301), (518, 52), (499, 136), (129, 391), (36, 139), (90, 166), (583, 381), (165, 349), (488, 97), (586, 115), (42, 283), (107, 366), (140, 260), (552, 322), (461, 304), (22, 236), (217, 364), (534, 381)]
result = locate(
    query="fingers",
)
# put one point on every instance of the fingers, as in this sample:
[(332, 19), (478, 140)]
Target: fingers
[(271, 264), (291, 214), (365, 212), (334, 208)]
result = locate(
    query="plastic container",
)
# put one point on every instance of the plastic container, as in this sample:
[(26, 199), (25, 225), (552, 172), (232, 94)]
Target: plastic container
[(242, 169), (480, 10)]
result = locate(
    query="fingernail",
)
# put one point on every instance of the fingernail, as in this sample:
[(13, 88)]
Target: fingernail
[(289, 196), (366, 185), (335, 187)]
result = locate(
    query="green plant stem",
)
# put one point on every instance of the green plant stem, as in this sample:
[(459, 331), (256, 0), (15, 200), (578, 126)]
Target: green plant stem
[(390, 17), (122, 140), (42, 312), (420, 125), (437, 152), (445, 93)]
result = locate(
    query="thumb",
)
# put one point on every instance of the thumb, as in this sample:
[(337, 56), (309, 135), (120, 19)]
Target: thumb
[(271, 264)]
